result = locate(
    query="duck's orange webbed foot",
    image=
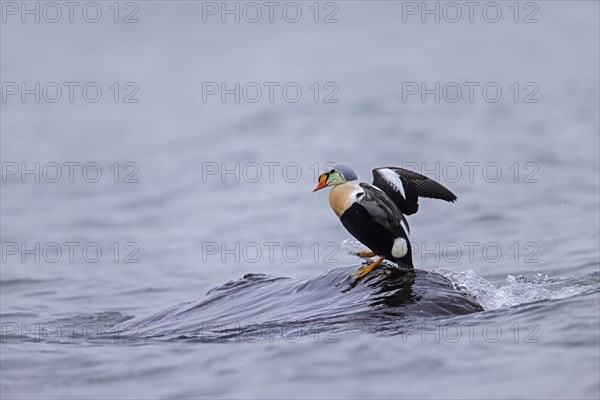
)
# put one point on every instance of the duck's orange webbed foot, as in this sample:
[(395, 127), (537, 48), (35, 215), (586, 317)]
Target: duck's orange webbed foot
[(365, 270)]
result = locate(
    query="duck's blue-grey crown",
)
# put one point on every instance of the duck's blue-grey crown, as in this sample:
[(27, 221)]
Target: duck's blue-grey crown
[(347, 172)]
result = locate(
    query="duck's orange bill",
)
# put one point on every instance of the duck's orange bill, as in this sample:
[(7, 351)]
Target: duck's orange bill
[(322, 183)]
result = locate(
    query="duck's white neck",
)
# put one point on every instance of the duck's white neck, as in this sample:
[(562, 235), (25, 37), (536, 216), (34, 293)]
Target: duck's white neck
[(342, 196)]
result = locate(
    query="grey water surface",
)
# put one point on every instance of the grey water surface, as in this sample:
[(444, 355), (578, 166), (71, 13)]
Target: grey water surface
[(160, 238)]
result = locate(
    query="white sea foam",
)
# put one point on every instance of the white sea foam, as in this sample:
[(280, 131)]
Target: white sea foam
[(518, 290)]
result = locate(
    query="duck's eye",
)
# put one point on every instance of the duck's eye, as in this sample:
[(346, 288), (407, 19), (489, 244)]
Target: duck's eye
[(332, 171), (359, 195)]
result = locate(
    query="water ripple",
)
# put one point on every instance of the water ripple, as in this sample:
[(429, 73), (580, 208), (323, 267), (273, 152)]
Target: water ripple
[(387, 300)]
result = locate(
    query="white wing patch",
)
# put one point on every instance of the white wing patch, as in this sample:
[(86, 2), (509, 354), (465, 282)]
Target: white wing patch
[(399, 248), (393, 179)]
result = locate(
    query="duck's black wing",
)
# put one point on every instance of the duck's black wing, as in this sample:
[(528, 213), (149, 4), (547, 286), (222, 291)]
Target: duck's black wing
[(405, 187), (383, 211)]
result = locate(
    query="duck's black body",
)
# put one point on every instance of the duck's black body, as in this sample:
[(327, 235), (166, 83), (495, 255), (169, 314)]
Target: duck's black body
[(377, 223)]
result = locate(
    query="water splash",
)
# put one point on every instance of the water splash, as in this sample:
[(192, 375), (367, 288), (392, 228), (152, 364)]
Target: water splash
[(351, 246), (519, 290)]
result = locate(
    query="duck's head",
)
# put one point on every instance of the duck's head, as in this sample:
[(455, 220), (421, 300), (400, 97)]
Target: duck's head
[(338, 175)]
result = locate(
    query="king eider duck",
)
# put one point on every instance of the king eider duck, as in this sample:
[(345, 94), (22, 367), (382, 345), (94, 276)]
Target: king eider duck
[(374, 214)]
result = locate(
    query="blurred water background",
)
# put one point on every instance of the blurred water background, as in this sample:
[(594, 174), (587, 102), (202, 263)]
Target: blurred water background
[(203, 183)]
